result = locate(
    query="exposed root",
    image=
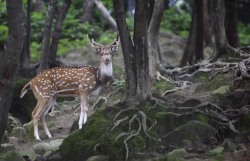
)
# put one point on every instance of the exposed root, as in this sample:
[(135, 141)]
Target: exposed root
[(131, 121), (155, 122), (144, 122), (124, 110), (131, 136), (118, 122), (104, 98)]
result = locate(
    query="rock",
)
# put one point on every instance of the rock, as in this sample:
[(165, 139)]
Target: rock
[(54, 157), (30, 154), (216, 150), (7, 147), (175, 155), (229, 146), (29, 131), (12, 123), (98, 158), (55, 143), (18, 132), (41, 148), (12, 156), (45, 149), (221, 90), (195, 131)]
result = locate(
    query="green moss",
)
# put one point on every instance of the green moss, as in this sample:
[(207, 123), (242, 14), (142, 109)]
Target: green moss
[(212, 85), (162, 86), (202, 77), (96, 138), (219, 157)]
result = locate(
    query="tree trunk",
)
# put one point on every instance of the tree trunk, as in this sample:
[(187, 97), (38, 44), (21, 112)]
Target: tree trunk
[(221, 43), (196, 37), (143, 90), (231, 22), (87, 8), (199, 36), (44, 57), (153, 33), (25, 55), (127, 48), (207, 25), (190, 49), (57, 31), (10, 58), (106, 15)]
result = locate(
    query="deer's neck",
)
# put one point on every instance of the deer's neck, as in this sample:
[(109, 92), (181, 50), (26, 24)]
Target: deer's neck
[(105, 72)]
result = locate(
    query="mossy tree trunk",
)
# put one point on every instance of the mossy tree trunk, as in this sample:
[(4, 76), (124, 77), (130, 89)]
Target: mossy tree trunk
[(10, 58)]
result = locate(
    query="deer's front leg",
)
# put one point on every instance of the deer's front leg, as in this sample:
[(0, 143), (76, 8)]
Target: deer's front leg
[(84, 109)]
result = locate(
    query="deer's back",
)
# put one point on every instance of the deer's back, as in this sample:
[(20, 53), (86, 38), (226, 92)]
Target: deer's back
[(65, 81)]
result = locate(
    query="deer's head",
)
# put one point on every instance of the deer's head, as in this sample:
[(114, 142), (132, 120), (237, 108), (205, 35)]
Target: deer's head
[(106, 52)]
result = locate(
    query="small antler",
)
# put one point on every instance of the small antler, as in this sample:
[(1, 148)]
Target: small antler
[(93, 43)]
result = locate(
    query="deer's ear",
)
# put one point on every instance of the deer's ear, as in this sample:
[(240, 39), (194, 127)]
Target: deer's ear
[(114, 45), (97, 50)]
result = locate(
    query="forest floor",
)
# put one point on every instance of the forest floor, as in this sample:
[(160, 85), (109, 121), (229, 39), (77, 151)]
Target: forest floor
[(66, 113)]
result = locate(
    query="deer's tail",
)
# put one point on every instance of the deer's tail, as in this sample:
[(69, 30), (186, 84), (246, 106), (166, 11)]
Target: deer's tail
[(25, 89)]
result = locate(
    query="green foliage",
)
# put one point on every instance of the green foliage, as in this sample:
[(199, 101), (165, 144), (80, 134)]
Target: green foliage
[(175, 22), (3, 33), (244, 32), (37, 26)]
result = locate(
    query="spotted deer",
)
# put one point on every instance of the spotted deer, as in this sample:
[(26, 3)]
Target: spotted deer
[(80, 81)]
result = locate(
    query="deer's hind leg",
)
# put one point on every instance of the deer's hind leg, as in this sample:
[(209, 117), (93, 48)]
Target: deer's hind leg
[(84, 109), (44, 113), (36, 114)]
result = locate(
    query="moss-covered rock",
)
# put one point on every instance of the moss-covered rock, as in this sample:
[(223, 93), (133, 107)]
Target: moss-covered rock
[(175, 155), (12, 156), (162, 86), (193, 131), (99, 138)]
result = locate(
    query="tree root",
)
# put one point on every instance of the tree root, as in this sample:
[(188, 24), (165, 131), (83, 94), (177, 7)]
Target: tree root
[(139, 117), (131, 136), (118, 122), (104, 98)]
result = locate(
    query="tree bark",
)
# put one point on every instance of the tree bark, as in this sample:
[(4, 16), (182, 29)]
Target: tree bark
[(190, 49), (207, 25), (58, 31), (87, 8), (25, 55), (231, 22), (127, 48), (44, 57), (153, 33), (221, 43), (143, 90), (106, 15), (199, 37), (10, 58), (196, 35)]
